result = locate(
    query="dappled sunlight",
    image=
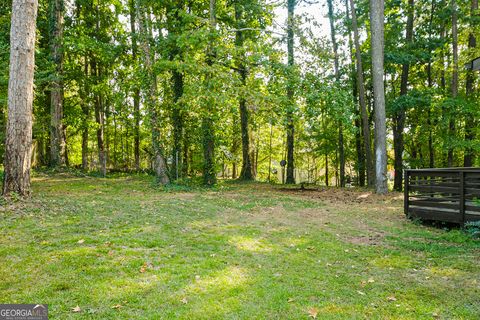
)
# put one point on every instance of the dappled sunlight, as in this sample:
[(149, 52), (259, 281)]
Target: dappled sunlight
[(445, 272), (224, 280), (250, 244)]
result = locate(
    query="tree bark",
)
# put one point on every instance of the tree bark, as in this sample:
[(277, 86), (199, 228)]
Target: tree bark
[(377, 39), (454, 80), (469, 157), (209, 173), (400, 115), (362, 99), (18, 142), (174, 23), (57, 131), (341, 147), (246, 172), (159, 163), (136, 90), (290, 94)]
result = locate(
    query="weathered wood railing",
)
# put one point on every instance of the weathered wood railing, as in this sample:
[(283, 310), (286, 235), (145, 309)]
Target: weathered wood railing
[(449, 195)]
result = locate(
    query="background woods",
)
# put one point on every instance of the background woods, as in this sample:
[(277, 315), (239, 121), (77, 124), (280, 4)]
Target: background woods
[(228, 89)]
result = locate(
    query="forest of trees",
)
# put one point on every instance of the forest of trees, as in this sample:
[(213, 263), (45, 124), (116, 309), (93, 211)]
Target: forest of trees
[(225, 89)]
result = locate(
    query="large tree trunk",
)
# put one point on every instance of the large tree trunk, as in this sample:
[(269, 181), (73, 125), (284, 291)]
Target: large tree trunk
[(469, 157), (454, 79), (136, 90), (57, 131), (399, 116), (290, 94), (362, 99), (18, 142), (160, 166), (341, 148), (377, 38), (209, 174)]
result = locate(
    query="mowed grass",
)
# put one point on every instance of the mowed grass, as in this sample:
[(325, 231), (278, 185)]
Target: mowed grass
[(121, 248)]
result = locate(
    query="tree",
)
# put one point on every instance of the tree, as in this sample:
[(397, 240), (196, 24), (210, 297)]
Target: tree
[(57, 130), (18, 142), (341, 147), (246, 172), (399, 116), (469, 157), (160, 165), (377, 39), (209, 174), (361, 99), (290, 93)]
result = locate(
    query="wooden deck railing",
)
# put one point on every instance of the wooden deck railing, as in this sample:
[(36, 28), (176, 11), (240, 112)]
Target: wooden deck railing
[(449, 195)]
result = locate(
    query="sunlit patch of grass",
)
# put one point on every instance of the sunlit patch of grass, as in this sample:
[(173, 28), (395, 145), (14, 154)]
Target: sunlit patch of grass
[(250, 244)]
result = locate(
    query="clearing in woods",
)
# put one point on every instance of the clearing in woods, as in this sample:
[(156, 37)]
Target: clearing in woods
[(120, 248)]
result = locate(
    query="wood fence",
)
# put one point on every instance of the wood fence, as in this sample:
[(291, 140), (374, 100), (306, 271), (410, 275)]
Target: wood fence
[(449, 195)]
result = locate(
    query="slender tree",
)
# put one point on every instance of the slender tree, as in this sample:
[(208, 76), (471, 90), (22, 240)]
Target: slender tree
[(399, 116), (469, 157), (57, 131), (209, 174), (377, 17), (454, 77), (136, 89), (341, 147), (18, 142), (362, 99), (159, 163), (291, 93)]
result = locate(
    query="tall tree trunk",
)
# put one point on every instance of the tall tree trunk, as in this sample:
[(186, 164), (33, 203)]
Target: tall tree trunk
[(57, 133), (18, 142), (454, 79), (399, 116), (377, 38), (362, 99), (247, 170), (174, 24), (159, 163), (136, 90), (209, 173), (177, 123), (99, 118), (290, 94), (85, 118), (341, 147), (469, 157), (358, 134)]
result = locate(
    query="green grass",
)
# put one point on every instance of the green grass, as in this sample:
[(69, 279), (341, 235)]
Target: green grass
[(121, 248)]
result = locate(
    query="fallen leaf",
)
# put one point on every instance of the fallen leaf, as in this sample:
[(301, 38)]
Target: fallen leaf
[(117, 306), (363, 196), (391, 298), (313, 313), (184, 301), (290, 300), (371, 280), (81, 241), (76, 309)]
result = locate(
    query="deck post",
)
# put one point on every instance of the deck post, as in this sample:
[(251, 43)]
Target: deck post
[(405, 190), (462, 196)]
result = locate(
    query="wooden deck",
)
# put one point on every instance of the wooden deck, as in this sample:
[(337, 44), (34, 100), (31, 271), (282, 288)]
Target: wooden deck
[(449, 195)]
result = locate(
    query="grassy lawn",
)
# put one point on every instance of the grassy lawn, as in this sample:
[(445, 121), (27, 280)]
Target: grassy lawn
[(120, 248)]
